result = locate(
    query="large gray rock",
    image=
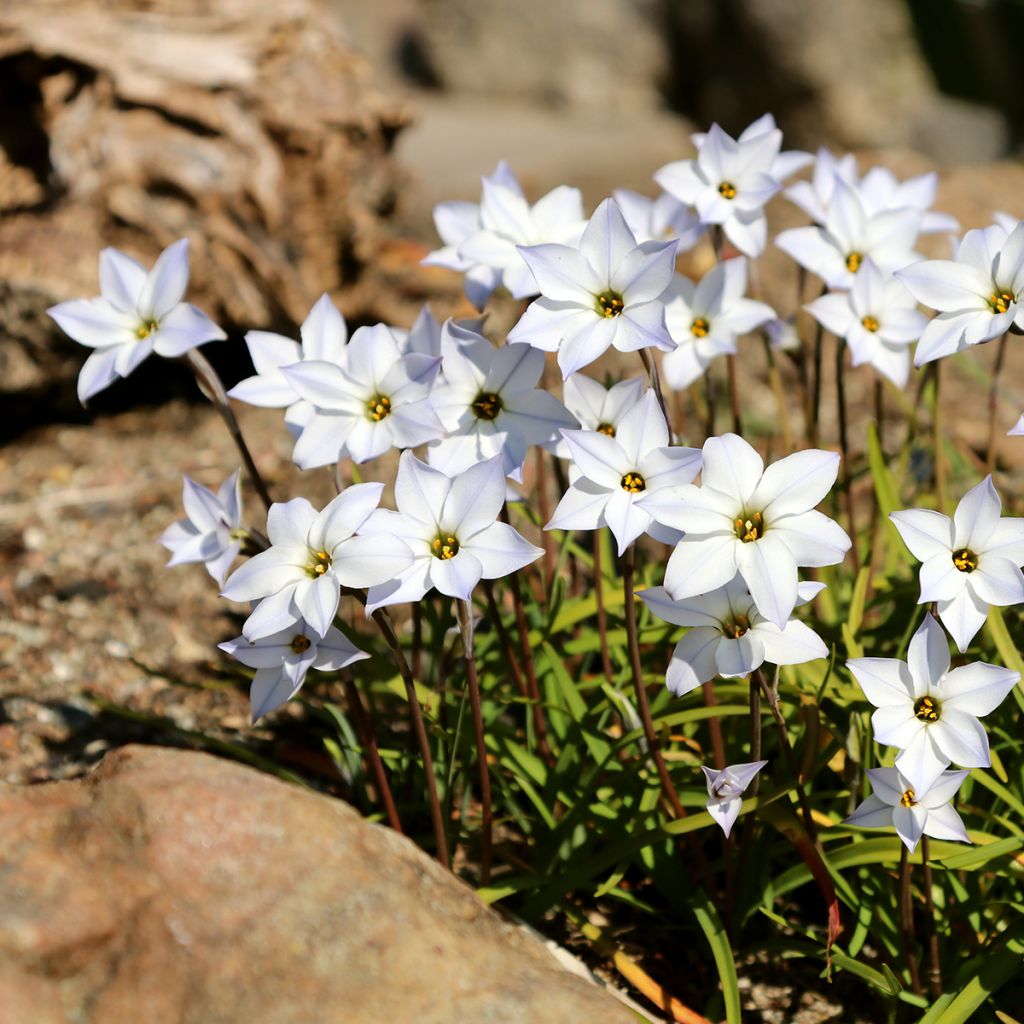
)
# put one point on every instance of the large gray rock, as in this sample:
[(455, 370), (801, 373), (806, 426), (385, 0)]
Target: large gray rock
[(176, 888)]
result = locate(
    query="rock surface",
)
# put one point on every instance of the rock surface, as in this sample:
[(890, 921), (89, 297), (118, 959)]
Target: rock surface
[(181, 889)]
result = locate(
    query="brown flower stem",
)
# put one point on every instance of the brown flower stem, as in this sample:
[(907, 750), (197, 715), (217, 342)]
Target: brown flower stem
[(844, 448), (544, 507), (417, 638), (711, 398), (755, 730), (633, 642), (993, 404), (371, 754), (464, 610), (602, 618), (813, 435), (781, 402), (934, 963), (211, 386), (652, 375), (907, 923), (714, 725), (383, 621), (539, 727), (505, 640), (937, 432), (734, 395)]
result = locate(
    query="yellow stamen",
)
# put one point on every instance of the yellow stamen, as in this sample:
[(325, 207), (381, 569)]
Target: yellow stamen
[(633, 482), (750, 527), (487, 406), (909, 798), (378, 407), (444, 546), (869, 323), (610, 303), (853, 261), (1001, 301), (727, 190), (738, 627), (700, 327), (927, 709), (300, 643), (606, 428), (145, 329), (965, 560), (319, 564)]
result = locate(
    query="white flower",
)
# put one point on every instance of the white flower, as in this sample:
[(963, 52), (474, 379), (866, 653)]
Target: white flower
[(211, 531), (660, 219), (324, 335), (450, 525), (378, 399), (725, 790), (1017, 430), (312, 555), (969, 562), (850, 235), (977, 294), (896, 803), (878, 190), (748, 519), (138, 312), (490, 404), (607, 292), (814, 196), (482, 240), (705, 319), (929, 712), (282, 660), (878, 318), (615, 471), (729, 636), (597, 407), (783, 164), (423, 337), (729, 182), (783, 335)]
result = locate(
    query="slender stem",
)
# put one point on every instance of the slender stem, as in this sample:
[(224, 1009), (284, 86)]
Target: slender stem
[(633, 642), (844, 448), (907, 923), (504, 639), (464, 610), (544, 507), (734, 394), (417, 638), (815, 417), (934, 963), (717, 242), (539, 728), (714, 725), (374, 764), (755, 730), (937, 430), (781, 402), (993, 403), (602, 619), (652, 375), (383, 621), (210, 384), (710, 391)]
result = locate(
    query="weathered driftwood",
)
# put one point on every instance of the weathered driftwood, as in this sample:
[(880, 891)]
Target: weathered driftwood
[(250, 127)]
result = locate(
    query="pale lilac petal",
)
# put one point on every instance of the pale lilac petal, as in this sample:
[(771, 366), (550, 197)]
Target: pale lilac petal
[(977, 689), (731, 466), (693, 660), (420, 491), (165, 284), (961, 738), (456, 577), (95, 323), (501, 550), (963, 616), (811, 537), (562, 273), (183, 328), (928, 653), (121, 279), (941, 580), (289, 522), (922, 763), (605, 240), (872, 813), (796, 483), (624, 518), (945, 823), (475, 499), (976, 516), (769, 570), (365, 561), (697, 566), (926, 533), (886, 682)]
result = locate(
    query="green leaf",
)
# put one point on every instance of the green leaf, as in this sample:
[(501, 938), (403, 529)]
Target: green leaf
[(714, 931)]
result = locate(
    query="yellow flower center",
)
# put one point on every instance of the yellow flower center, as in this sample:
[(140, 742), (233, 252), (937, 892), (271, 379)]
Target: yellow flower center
[(927, 709), (965, 560), (727, 190), (869, 323), (319, 563), (444, 546), (738, 627), (909, 798), (300, 643), (378, 407), (750, 527), (145, 329), (610, 303), (1000, 302), (700, 327), (853, 261), (487, 406), (633, 482), (606, 428)]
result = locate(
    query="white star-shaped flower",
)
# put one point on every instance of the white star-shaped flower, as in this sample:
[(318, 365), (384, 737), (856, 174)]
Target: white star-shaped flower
[(451, 526), (312, 555), (927, 710), (282, 660), (728, 636), (608, 292), (968, 562), (814, 196), (730, 180), (378, 399), (977, 294), (597, 407), (481, 240), (877, 317), (613, 472), (323, 334), (137, 312), (895, 803), (705, 319), (783, 164), (660, 219), (748, 519), (726, 787), (489, 403), (850, 235), (211, 531)]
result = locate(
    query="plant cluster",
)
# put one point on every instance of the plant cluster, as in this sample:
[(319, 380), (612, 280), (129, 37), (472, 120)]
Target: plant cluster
[(525, 704)]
